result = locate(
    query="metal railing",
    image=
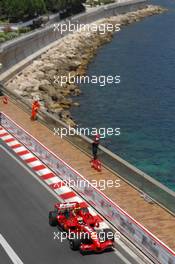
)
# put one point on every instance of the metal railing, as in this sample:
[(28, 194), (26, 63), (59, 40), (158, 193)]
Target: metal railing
[(122, 221), (138, 179)]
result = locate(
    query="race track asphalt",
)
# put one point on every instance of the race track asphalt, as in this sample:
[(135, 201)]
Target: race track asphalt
[(24, 207)]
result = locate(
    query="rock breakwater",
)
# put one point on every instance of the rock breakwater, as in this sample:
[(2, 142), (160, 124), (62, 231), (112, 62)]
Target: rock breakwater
[(70, 57)]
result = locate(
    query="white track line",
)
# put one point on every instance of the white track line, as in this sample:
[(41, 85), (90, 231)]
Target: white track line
[(35, 163), (63, 190), (24, 166), (54, 192), (127, 249), (122, 257), (2, 131), (43, 172), (27, 156), (6, 137), (13, 143), (10, 252), (54, 180), (75, 199), (17, 150)]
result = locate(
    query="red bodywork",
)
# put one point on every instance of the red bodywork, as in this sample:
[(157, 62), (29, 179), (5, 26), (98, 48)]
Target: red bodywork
[(75, 219)]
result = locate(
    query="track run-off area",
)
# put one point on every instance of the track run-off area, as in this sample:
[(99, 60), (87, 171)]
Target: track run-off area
[(25, 235)]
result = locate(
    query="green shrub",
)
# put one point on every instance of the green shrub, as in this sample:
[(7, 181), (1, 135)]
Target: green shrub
[(2, 35), (5, 36), (4, 21), (19, 10), (2, 39), (12, 35), (105, 2), (24, 30), (53, 5), (99, 2), (35, 7)]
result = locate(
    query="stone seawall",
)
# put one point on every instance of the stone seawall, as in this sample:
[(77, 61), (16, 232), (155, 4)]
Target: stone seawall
[(70, 57), (14, 51)]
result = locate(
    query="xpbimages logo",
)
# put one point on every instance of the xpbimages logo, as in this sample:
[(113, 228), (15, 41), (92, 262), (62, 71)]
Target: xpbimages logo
[(102, 236), (102, 80), (101, 28), (81, 131), (81, 184)]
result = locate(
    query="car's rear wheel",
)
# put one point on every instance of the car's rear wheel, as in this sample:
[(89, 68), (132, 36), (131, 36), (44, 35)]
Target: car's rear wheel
[(108, 234), (75, 243), (52, 218)]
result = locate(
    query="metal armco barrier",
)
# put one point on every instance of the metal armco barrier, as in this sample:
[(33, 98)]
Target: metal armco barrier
[(135, 232), (158, 192)]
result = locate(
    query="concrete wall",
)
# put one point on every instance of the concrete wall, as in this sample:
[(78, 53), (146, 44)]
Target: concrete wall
[(15, 51)]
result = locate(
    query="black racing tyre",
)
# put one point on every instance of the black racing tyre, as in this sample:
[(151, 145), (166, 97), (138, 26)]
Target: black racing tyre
[(75, 243), (108, 234), (52, 218)]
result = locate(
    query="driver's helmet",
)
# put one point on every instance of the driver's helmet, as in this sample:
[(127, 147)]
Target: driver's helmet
[(77, 209), (80, 220)]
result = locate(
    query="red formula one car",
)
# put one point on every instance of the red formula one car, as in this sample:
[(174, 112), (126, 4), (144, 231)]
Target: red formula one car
[(81, 227)]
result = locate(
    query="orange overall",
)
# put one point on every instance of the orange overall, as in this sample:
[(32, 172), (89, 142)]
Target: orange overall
[(5, 100), (35, 107)]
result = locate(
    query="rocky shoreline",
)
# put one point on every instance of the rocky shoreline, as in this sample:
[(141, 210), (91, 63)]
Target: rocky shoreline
[(70, 57)]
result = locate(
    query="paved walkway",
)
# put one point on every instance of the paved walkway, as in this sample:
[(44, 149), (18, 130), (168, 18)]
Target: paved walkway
[(152, 216)]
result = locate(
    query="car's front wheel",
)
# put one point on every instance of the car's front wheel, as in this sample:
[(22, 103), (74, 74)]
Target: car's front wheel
[(108, 234), (52, 218)]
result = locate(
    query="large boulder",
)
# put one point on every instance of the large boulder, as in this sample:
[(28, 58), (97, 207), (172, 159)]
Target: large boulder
[(39, 75), (66, 102), (47, 67), (70, 122), (73, 65), (65, 92)]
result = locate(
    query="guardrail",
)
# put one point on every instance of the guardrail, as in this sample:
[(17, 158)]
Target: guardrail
[(138, 179), (129, 227)]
